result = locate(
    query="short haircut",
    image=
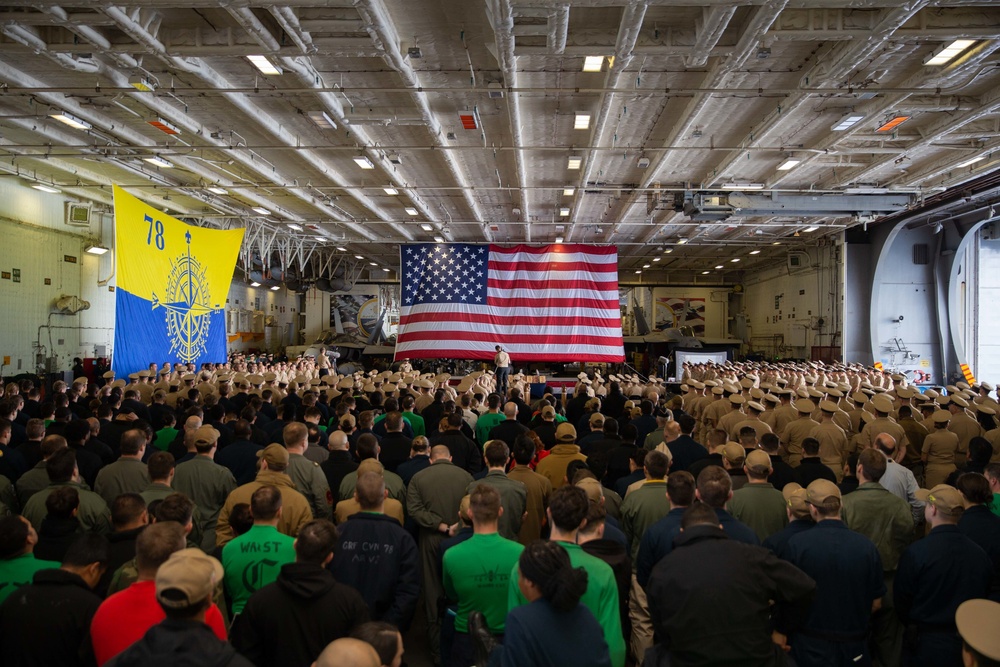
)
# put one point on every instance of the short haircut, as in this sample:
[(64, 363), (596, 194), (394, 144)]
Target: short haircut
[(315, 541), (905, 411), (14, 532), (77, 431), (455, 420), (52, 444), (810, 447), (367, 446), (381, 636), (497, 453), (975, 488), (714, 486), (524, 450), (294, 434), (717, 437), (175, 507), (699, 514), (639, 457), (87, 549), (61, 465), (596, 517), (126, 509), (155, 544), (484, 503), (159, 465), (656, 464), (687, 424), (242, 429), (992, 471), (265, 503), (568, 506), (680, 488), (240, 518), (35, 429), (370, 490), (873, 464), (394, 421), (132, 442), (769, 442), (62, 501)]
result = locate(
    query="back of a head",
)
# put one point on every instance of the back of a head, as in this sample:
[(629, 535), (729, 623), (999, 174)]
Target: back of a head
[(497, 453), (132, 442), (656, 464), (175, 507), (155, 544), (873, 464), (14, 532), (810, 447), (383, 637), (242, 429), (714, 487), (769, 442), (699, 514), (484, 504), (61, 465), (439, 453), (240, 518), (51, 444), (265, 503), (367, 447), (687, 424), (717, 438), (159, 465), (295, 434), (370, 490), (980, 451), (547, 566), (680, 488), (315, 542), (77, 431), (975, 488), (87, 549), (455, 420), (524, 450), (348, 652), (62, 502), (568, 506), (126, 510)]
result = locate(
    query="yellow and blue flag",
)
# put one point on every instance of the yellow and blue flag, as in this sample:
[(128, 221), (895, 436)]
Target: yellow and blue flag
[(173, 279)]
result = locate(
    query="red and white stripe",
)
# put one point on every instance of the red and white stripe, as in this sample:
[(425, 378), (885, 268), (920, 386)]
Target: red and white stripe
[(547, 303)]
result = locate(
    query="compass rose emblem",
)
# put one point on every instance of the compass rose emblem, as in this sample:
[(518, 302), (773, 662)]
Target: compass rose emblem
[(187, 307)]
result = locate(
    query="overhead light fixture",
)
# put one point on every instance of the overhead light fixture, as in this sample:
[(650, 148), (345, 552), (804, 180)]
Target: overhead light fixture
[(264, 65), (564, 211), (165, 126), (427, 227), (391, 191), (967, 163), (559, 239), (373, 263), (295, 226), (646, 266), (276, 288), (638, 271), (582, 121), (943, 55), (705, 273), (363, 162), (386, 269), (358, 257), (411, 211), (157, 161), (755, 252), (734, 260), (46, 188), (568, 192), (656, 259), (574, 162), (719, 266), (668, 251), (593, 63), (810, 229), (341, 248), (439, 239), (776, 243), (95, 249), (789, 164), (71, 120), (261, 210), (255, 284), (848, 121), (681, 242), (217, 190), (892, 123), (322, 120), (742, 186), (142, 83)]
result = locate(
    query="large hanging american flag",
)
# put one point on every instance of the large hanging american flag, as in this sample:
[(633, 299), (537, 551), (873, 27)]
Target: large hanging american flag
[(542, 303)]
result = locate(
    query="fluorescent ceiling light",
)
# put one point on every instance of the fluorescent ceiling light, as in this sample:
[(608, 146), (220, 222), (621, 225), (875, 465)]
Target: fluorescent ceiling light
[(719, 266), (217, 191), (735, 259), (680, 242), (755, 252), (568, 192), (71, 120), (51, 190), (391, 191), (373, 263), (261, 210), (656, 259), (255, 284), (358, 257), (341, 248), (264, 65), (322, 120), (439, 239), (296, 227), (141, 83), (574, 162), (276, 288), (95, 249), (968, 162), (638, 271), (742, 186), (646, 266), (892, 123), (411, 211), (593, 63), (946, 54), (427, 227), (848, 121), (386, 269), (564, 211), (158, 162), (559, 239), (705, 273), (668, 251), (363, 162), (164, 126), (582, 121), (789, 164), (776, 243), (810, 229)]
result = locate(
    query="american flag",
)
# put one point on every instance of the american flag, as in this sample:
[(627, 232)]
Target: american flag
[(541, 303)]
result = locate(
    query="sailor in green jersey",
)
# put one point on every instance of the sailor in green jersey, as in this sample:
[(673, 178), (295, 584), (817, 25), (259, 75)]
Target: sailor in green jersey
[(17, 562), (254, 559), (477, 572), (567, 511)]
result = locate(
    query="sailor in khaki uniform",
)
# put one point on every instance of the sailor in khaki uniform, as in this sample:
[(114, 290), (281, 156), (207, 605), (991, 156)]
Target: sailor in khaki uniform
[(798, 430), (753, 420), (962, 425), (882, 405), (832, 440), (734, 416), (940, 447)]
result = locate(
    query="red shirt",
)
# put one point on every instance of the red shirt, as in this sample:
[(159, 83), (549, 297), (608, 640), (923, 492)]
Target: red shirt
[(124, 618)]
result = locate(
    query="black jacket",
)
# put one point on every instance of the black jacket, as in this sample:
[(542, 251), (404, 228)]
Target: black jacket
[(54, 537), (336, 467), (464, 453), (48, 622), (394, 450), (812, 468), (122, 551), (708, 575), (179, 644), (290, 622), (379, 559), (241, 459)]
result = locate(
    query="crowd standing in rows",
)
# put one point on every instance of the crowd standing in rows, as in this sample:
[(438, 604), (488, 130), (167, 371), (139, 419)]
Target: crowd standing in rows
[(281, 514)]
